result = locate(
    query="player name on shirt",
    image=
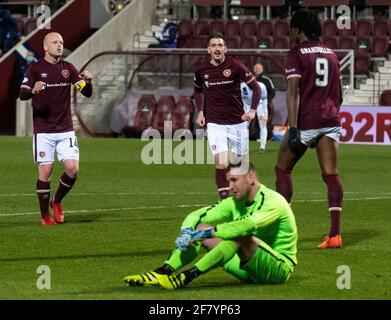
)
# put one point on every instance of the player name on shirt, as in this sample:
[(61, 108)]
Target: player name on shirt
[(316, 50)]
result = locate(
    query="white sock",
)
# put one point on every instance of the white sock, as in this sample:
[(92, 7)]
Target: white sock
[(263, 134)]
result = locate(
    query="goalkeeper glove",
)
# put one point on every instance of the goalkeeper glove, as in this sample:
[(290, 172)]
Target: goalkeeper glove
[(202, 234), (184, 238)]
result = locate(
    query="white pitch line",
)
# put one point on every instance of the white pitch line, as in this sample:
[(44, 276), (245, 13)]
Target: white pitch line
[(177, 206)]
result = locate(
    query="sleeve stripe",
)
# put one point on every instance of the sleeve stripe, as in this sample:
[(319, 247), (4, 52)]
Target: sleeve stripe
[(295, 75), (253, 78), (24, 86)]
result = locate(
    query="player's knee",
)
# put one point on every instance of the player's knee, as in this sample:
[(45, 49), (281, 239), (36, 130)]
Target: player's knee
[(72, 171)]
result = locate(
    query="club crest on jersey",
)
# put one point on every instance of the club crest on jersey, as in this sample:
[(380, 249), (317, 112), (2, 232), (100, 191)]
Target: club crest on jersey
[(65, 73), (42, 154), (227, 73), (44, 75)]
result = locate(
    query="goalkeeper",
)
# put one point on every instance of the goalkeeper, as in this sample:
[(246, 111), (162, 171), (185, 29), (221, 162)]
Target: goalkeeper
[(251, 234)]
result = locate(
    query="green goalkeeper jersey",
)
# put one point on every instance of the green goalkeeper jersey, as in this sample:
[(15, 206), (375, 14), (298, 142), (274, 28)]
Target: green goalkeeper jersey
[(269, 218)]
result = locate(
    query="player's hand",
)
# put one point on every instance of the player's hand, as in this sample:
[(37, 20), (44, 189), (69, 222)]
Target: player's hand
[(184, 238), (294, 140), (202, 234), (248, 116), (38, 87), (87, 76), (201, 119)]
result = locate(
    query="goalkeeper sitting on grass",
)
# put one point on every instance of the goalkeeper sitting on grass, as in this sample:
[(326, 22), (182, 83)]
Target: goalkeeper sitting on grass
[(252, 235)]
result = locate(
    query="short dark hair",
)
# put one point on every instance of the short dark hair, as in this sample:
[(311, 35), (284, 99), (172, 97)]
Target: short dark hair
[(216, 36), (308, 22)]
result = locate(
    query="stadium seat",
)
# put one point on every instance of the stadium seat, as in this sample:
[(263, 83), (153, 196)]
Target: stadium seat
[(364, 44), (281, 28), (181, 117), (281, 42), (362, 62), (249, 28), (348, 32), (249, 42), (265, 42), (217, 26), (30, 24), (232, 28), (265, 28), (380, 46), (165, 107), (331, 41), (233, 42), (199, 41), (330, 28), (183, 42), (347, 42), (185, 28), (201, 27), (385, 98), (143, 118), (380, 28), (364, 27)]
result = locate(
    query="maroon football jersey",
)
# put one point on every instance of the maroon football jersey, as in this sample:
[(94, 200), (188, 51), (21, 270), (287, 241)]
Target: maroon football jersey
[(318, 68), (221, 86), (52, 106)]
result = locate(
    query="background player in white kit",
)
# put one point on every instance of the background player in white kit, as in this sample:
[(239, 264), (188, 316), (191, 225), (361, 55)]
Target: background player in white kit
[(262, 112)]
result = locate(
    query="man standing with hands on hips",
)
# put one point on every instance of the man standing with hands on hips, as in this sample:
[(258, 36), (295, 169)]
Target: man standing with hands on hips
[(48, 82)]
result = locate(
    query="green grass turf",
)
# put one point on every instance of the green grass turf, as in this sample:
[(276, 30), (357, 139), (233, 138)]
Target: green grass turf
[(123, 216)]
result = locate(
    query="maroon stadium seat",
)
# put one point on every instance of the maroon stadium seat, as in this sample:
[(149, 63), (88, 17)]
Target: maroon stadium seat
[(331, 41), (362, 62), (143, 119), (217, 26), (181, 117), (265, 42), (232, 28), (183, 42), (364, 44), (380, 46), (233, 42), (330, 28), (201, 27), (165, 107), (30, 24), (281, 42), (364, 27), (347, 42), (281, 28), (380, 28), (348, 32), (185, 28), (249, 42), (249, 28), (385, 98), (199, 41), (265, 28)]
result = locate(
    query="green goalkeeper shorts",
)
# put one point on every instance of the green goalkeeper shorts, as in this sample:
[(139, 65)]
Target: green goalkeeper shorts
[(268, 266)]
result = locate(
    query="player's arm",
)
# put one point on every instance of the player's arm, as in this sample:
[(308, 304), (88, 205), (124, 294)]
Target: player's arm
[(199, 98), (220, 211), (292, 100), (85, 84), (247, 77), (247, 226)]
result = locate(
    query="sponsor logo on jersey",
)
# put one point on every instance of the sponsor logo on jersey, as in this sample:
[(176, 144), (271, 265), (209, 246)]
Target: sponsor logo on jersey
[(248, 74), (206, 76), (227, 73), (44, 75), (65, 73), (25, 80), (42, 154), (290, 70)]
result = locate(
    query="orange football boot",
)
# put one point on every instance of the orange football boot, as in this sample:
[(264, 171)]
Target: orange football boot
[(331, 242), (57, 212)]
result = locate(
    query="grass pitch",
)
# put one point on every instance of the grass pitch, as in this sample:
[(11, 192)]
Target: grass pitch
[(122, 218)]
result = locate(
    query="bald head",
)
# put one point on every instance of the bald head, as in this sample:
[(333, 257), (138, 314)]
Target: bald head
[(53, 45)]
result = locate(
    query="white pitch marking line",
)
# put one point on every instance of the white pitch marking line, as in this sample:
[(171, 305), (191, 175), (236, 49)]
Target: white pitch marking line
[(177, 206)]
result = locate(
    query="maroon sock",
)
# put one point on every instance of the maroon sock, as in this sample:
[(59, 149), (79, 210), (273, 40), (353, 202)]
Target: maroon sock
[(335, 200), (64, 187), (222, 183), (43, 193), (284, 183)]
